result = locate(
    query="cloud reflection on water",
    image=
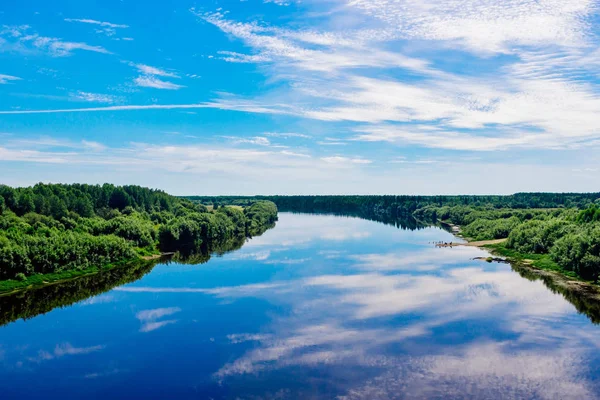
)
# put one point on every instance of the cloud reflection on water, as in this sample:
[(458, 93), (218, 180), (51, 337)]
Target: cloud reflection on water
[(393, 316), (149, 318), (336, 320)]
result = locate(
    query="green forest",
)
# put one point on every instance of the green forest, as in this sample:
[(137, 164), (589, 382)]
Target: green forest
[(385, 207), (54, 230)]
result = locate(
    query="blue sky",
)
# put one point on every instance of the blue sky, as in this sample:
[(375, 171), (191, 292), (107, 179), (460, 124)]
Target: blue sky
[(298, 97)]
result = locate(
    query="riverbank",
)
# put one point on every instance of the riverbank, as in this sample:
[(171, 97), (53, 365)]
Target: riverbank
[(479, 243), (10, 287), (497, 247), (542, 267)]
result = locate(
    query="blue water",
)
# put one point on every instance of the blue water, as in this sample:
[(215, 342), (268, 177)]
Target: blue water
[(319, 307)]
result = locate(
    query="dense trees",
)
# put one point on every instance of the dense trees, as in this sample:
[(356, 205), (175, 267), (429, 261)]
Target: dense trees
[(54, 228), (569, 237), (397, 206), (579, 251)]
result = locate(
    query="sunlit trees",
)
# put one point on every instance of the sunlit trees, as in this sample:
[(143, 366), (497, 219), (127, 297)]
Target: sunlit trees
[(54, 228)]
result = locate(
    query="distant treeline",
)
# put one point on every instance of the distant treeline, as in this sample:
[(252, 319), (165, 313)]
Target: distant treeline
[(51, 228), (390, 207)]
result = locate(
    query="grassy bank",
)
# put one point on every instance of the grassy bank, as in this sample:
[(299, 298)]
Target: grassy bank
[(540, 261), (8, 287)]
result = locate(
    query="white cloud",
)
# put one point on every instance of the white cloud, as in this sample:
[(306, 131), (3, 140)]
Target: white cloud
[(278, 2), (227, 291), (149, 318), (345, 160), (342, 234), (106, 28), (255, 256), (99, 299), (93, 145), (245, 337), (152, 326), (94, 22), (152, 82), (257, 140), (482, 370), (156, 313), (22, 40), (64, 349), (94, 97), (421, 260), (287, 135), (485, 25), (150, 74), (7, 78), (289, 48), (149, 70), (537, 99), (34, 156)]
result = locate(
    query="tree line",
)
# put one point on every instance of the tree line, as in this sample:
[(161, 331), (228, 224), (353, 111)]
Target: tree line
[(49, 228), (392, 206)]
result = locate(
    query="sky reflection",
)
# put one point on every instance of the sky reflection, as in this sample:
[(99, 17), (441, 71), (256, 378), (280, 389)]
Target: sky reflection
[(374, 312)]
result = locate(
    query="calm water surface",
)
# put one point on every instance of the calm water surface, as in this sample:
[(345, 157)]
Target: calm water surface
[(319, 307)]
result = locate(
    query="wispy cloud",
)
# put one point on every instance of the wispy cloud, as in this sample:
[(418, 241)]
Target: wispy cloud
[(228, 103), (293, 48), (95, 97), (64, 349), (149, 77), (345, 160), (485, 25), (149, 318), (257, 140), (537, 99), (21, 39), (94, 22), (278, 2), (149, 70), (287, 135), (103, 27), (8, 78), (152, 82)]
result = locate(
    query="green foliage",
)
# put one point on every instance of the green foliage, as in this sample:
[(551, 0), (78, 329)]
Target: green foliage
[(484, 229), (259, 214), (137, 230), (559, 239), (539, 236), (579, 251), (51, 229), (591, 214)]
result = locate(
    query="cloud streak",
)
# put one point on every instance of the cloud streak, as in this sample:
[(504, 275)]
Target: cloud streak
[(4, 79), (155, 83), (23, 40)]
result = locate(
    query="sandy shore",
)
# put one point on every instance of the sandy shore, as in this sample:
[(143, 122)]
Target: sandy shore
[(480, 243)]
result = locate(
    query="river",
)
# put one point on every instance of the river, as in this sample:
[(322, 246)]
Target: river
[(318, 307)]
